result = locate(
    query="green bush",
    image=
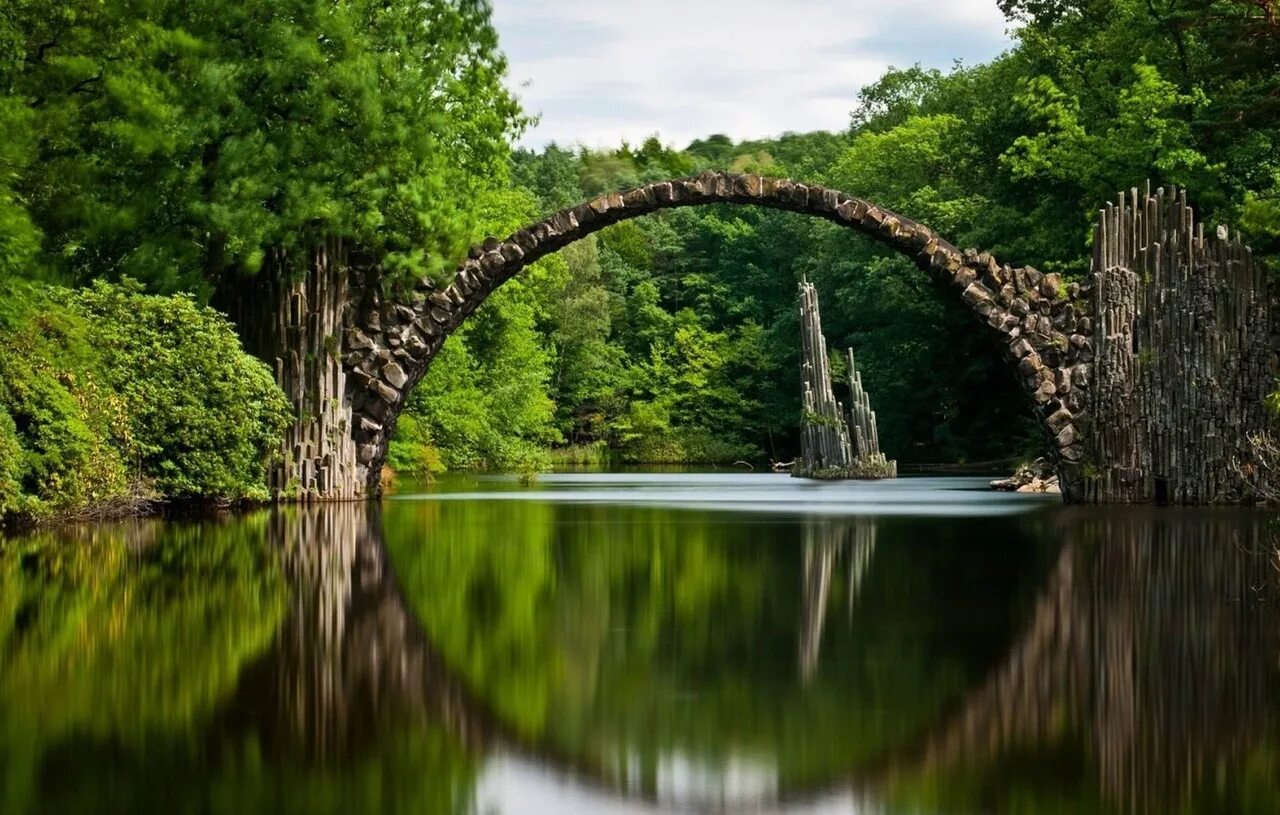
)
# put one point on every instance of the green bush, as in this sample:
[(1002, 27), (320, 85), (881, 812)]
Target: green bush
[(205, 418), (10, 465), (107, 394), (412, 452), (70, 428)]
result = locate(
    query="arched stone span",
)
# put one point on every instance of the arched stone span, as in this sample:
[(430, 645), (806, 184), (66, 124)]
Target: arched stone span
[(1043, 324)]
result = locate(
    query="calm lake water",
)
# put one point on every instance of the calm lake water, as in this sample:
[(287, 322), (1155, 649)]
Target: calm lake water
[(644, 644)]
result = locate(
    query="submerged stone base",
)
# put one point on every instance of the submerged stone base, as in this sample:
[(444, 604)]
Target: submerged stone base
[(1038, 476), (865, 470)]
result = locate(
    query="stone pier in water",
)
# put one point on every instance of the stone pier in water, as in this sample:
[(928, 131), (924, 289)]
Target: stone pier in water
[(834, 444)]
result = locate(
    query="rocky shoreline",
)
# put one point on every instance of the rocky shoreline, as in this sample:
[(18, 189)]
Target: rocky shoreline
[(1038, 476)]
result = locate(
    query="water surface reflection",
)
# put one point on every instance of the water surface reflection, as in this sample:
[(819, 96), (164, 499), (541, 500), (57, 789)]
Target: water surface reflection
[(644, 644)]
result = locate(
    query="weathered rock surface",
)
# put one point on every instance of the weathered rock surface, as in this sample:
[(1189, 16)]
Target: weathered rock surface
[(1038, 476), (834, 444), (1182, 357)]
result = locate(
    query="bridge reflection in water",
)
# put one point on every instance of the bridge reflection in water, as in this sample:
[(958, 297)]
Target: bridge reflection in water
[(622, 659), (1146, 664)]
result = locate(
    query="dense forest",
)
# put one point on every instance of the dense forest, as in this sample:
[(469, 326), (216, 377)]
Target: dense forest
[(157, 148)]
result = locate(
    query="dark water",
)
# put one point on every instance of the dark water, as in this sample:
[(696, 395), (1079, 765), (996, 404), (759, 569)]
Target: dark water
[(635, 644)]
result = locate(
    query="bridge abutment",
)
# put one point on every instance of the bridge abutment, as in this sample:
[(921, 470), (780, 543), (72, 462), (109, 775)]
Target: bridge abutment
[(294, 316), (1184, 358)]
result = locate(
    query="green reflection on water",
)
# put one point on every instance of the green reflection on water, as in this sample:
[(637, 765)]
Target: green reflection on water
[(616, 637), (1090, 662), (126, 633), (199, 667)]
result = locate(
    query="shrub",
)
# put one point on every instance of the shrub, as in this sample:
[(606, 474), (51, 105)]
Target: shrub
[(107, 395), (10, 465), (204, 417), (69, 428), (413, 452)]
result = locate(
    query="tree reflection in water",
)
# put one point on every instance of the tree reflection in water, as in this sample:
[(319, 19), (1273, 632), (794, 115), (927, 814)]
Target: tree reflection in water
[(1064, 661), (321, 720)]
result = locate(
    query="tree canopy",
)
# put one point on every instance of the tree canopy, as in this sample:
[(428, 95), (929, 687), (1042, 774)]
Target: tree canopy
[(175, 142)]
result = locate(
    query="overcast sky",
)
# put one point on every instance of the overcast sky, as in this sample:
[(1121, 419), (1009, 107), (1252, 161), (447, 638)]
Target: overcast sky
[(600, 71)]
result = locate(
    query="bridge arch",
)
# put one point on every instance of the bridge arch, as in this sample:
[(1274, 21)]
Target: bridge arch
[(1043, 325)]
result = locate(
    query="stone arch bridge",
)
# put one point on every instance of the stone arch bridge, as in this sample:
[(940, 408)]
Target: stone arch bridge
[(1148, 377)]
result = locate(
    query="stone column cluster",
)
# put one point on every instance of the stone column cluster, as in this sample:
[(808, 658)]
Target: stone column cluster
[(293, 316), (825, 449), (1184, 356), (834, 444), (863, 429)]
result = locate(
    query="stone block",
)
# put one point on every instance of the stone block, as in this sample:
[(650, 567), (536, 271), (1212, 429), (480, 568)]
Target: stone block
[(639, 199), (394, 375), (357, 340), (1058, 420), (1049, 285), (1030, 364), (1066, 437), (748, 186), (526, 240)]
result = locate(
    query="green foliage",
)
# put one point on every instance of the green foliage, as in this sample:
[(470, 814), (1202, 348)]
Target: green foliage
[(10, 465), (590, 650), (125, 634), (107, 394), (412, 451), (204, 418), (71, 428), (1184, 91), (177, 142), (485, 403)]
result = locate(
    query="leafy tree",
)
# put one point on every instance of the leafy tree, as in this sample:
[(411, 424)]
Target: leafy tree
[(485, 401), (1206, 83), (176, 142)]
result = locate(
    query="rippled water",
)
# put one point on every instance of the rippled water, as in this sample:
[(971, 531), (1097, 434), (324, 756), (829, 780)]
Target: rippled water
[(648, 643)]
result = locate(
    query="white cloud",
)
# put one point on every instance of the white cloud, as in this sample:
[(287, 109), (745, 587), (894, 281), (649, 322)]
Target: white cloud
[(600, 71)]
